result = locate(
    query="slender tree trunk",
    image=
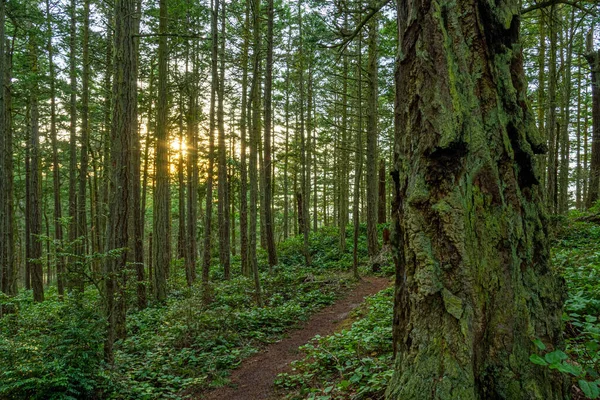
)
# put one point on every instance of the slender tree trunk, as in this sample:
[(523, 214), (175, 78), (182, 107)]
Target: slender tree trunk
[(563, 182), (83, 160), (223, 206), (34, 212), (470, 237), (211, 141), (243, 145), (162, 207), (192, 177), (137, 213), (358, 159), (382, 198), (7, 254), (267, 171), (551, 125), (593, 58), (254, 139), (124, 124), (303, 220), (578, 175), (344, 185), (73, 234), (58, 234), (372, 134), (541, 92), (182, 236)]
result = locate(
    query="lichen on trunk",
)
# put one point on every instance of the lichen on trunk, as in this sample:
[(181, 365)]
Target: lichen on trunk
[(473, 285)]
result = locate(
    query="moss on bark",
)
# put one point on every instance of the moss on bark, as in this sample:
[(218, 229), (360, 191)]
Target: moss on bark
[(473, 282)]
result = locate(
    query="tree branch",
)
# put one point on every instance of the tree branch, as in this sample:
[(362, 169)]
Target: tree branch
[(549, 3)]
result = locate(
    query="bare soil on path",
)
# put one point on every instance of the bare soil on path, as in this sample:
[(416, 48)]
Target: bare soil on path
[(253, 380)]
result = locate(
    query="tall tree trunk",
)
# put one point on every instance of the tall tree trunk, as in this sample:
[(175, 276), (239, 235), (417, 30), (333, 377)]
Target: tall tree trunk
[(192, 176), (123, 127), (243, 145), (73, 234), (470, 236), (34, 212), (382, 199), (541, 92), (254, 139), (181, 234), (162, 207), (344, 159), (136, 227), (593, 58), (58, 234), (211, 141), (83, 160), (578, 175), (223, 206), (267, 171), (7, 254), (551, 125), (303, 220), (358, 159), (563, 181), (372, 134), (286, 198)]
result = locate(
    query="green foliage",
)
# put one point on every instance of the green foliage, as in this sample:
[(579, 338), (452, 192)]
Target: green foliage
[(354, 363), (576, 254), (51, 350)]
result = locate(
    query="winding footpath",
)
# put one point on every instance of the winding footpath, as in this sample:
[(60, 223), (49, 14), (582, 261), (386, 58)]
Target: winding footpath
[(253, 380)]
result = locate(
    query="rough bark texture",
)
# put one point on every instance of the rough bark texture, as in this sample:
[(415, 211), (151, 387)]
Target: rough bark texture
[(34, 203), (473, 281), (267, 168), (223, 207), (124, 123), (381, 196), (372, 245), (243, 146), (593, 58), (162, 206)]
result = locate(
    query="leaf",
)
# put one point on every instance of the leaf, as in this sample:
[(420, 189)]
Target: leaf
[(540, 345), (536, 359), (555, 357), (590, 389), (567, 368)]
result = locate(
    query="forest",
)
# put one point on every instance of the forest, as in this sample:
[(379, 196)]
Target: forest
[(300, 199)]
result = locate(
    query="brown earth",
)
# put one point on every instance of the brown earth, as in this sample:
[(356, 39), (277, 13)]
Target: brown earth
[(253, 380)]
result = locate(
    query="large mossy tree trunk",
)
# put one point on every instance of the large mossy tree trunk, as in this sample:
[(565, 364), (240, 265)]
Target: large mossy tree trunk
[(473, 285)]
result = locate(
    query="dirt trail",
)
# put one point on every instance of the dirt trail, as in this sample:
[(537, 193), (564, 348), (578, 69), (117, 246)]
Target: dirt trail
[(253, 380)]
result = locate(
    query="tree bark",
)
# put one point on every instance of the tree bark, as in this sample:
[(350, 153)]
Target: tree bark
[(162, 206), (123, 126), (211, 142), (593, 58), (223, 206), (372, 243), (473, 281), (34, 211), (382, 199), (267, 170), (73, 234)]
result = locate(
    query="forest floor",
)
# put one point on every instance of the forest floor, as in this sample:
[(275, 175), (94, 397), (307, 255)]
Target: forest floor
[(254, 379)]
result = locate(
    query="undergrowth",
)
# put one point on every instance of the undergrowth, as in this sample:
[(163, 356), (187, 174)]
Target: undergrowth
[(54, 350), (355, 363)]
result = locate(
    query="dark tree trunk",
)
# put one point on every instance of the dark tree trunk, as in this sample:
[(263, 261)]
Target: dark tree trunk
[(123, 127), (372, 243), (223, 206), (266, 167), (162, 206), (243, 147), (473, 281), (382, 199), (593, 58), (72, 139), (34, 211)]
